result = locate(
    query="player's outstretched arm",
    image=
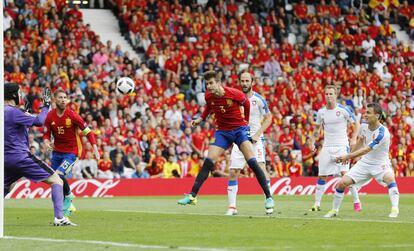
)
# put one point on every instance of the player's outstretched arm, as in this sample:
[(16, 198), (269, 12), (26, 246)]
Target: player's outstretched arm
[(355, 133), (314, 136), (357, 153)]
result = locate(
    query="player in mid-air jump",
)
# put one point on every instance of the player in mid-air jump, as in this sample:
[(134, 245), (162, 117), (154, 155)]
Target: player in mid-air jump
[(18, 161), (227, 104), (64, 124)]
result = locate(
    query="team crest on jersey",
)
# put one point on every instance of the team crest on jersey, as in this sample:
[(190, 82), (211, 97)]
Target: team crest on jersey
[(229, 102), (338, 113), (254, 102), (68, 122)]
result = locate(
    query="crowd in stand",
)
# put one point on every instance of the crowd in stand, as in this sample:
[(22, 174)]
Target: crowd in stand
[(293, 50)]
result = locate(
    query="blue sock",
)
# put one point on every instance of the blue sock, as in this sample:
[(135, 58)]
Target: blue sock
[(339, 190), (391, 185), (232, 183), (321, 182)]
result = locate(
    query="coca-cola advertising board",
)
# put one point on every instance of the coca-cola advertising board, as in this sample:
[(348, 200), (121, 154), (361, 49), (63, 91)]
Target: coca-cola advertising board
[(213, 186)]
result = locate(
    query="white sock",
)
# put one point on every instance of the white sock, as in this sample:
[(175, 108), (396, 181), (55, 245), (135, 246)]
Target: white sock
[(320, 190), (394, 195), (354, 193), (337, 200), (232, 189)]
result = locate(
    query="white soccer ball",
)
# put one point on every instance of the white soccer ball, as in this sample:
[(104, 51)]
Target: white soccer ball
[(125, 85)]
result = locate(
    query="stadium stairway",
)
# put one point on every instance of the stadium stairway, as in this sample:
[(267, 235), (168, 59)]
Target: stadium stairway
[(402, 35), (105, 24)]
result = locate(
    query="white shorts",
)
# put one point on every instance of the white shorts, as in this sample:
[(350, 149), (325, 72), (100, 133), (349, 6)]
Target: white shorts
[(237, 160), (327, 165), (362, 172)]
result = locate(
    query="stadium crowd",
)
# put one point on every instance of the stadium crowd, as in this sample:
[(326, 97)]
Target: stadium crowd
[(293, 50)]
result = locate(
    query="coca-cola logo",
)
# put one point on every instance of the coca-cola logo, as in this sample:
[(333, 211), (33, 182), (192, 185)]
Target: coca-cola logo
[(283, 187), (85, 188)]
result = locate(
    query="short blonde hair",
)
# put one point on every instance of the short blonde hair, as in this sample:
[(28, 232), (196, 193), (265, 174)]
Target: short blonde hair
[(334, 87)]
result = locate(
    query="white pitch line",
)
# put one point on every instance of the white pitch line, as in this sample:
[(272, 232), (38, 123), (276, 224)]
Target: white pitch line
[(275, 216), (142, 246), (116, 244)]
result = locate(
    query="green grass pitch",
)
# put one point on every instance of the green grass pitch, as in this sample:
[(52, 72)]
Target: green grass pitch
[(158, 223)]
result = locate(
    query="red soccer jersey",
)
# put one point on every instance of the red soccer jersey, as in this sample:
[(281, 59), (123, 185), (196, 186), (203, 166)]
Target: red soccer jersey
[(227, 109), (65, 130)]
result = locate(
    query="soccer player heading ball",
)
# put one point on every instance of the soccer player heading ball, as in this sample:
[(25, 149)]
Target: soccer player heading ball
[(225, 103)]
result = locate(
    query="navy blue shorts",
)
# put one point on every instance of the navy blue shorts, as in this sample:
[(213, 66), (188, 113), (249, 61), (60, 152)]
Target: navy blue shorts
[(63, 162), (224, 139)]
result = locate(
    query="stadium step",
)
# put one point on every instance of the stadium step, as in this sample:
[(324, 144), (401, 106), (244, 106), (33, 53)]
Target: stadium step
[(402, 35), (105, 24)]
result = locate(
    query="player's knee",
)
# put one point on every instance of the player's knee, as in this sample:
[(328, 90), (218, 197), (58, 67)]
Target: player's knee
[(345, 182), (389, 178), (54, 179)]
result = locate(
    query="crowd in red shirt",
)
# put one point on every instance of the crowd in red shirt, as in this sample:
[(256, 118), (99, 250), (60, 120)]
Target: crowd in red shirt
[(52, 47)]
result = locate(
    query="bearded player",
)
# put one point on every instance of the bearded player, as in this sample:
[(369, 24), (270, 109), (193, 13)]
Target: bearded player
[(259, 120), (227, 105), (64, 124)]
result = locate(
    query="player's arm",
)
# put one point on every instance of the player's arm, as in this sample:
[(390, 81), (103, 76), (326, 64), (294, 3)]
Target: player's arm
[(355, 154), (379, 140), (315, 135), (316, 130), (359, 143), (241, 98), (27, 119), (356, 128), (203, 116), (246, 107), (47, 133), (267, 121), (87, 132)]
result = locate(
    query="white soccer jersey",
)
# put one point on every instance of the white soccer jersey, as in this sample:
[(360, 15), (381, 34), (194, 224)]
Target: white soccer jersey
[(335, 124), (379, 141), (258, 108)]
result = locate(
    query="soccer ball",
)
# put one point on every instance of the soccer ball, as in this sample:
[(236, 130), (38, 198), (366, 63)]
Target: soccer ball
[(125, 85)]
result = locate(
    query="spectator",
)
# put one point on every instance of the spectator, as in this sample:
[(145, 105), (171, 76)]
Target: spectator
[(171, 169), (87, 168), (105, 167)]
